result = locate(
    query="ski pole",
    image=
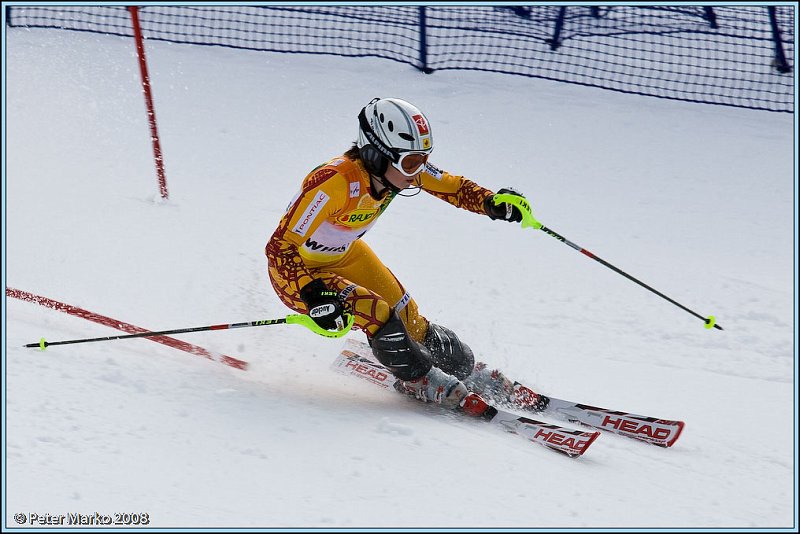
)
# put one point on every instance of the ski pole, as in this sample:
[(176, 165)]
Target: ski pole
[(302, 320), (528, 220)]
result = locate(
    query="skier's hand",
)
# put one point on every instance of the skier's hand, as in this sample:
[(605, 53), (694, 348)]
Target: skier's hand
[(504, 210), (324, 305)]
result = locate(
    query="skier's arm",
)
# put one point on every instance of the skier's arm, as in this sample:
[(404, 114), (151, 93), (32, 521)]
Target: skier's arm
[(466, 194), (285, 259), (456, 190)]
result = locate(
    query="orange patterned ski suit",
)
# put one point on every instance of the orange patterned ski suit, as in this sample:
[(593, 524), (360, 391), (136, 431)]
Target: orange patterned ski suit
[(319, 237)]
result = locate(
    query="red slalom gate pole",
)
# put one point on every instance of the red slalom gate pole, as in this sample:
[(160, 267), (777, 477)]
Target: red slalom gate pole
[(125, 327), (148, 99)]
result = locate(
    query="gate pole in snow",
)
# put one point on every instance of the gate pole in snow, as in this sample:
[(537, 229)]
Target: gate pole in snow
[(148, 99)]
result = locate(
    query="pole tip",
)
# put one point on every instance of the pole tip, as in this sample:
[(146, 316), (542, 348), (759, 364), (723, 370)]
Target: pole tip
[(711, 322)]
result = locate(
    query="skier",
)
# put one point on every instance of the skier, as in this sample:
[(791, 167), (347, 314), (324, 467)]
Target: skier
[(319, 265)]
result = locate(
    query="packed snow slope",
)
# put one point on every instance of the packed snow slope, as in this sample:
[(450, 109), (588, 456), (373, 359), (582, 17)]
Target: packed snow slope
[(696, 200)]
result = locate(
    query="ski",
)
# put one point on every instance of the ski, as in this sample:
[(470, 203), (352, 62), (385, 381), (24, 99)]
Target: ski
[(652, 430), (573, 443), (659, 432)]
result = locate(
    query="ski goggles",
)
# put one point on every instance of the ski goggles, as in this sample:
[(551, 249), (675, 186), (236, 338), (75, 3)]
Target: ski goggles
[(410, 163)]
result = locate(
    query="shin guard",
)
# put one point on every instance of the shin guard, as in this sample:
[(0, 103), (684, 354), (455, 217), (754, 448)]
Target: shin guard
[(404, 357), (448, 352)]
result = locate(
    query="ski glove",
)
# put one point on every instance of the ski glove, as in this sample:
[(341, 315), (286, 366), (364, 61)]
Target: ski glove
[(324, 305), (504, 210)]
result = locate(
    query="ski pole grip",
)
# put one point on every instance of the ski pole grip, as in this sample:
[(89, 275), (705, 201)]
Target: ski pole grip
[(528, 220), (308, 322)]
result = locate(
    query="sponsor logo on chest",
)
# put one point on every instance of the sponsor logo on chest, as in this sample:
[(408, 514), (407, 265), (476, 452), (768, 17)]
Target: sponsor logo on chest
[(308, 216), (357, 217)]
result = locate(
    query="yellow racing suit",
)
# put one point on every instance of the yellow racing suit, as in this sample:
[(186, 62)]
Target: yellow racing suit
[(319, 237)]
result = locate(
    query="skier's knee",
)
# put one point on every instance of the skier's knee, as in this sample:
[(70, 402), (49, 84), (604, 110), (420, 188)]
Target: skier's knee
[(383, 312), (394, 348), (449, 353)]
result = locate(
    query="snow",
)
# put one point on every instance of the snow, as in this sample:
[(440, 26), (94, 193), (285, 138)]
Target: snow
[(695, 200)]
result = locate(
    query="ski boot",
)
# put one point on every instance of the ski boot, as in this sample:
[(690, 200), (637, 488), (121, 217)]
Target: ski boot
[(496, 387), (435, 386), (447, 391)]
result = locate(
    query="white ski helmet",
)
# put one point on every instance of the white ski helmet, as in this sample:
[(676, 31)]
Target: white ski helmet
[(393, 131)]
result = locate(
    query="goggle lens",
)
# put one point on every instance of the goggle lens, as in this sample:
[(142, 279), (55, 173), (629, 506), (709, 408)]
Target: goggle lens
[(411, 162)]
